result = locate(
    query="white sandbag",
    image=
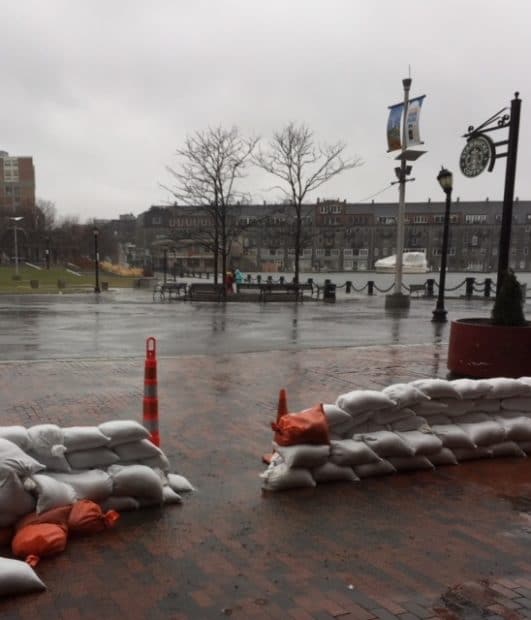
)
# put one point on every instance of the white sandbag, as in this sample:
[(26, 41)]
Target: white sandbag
[(428, 408), (369, 426), (17, 577), (410, 463), (123, 431), (412, 423), (422, 443), (330, 472), (394, 414), (456, 407), (94, 458), (50, 493), (160, 461), (16, 460), (17, 435), (136, 450), (303, 455), (437, 420), (339, 421), (516, 403), (93, 484), (471, 417), (136, 481), (507, 449), (525, 446), (484, 433), (358, 402), (14, 499), (179, 483), (381, 468), (503, 387), (349, 452), (437, 388), (386, 444), (120, 504), (169, 496), (47, 446), (280, 477), (469, 454), (486, 405), (405, 394), (472, 388), (84, 438), (453, 436), (445, 456), (517, 428)]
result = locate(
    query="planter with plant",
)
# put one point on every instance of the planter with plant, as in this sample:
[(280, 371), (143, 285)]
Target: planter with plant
[(495, 347)]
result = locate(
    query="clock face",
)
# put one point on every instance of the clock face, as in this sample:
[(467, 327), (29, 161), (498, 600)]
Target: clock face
[(475, 156)]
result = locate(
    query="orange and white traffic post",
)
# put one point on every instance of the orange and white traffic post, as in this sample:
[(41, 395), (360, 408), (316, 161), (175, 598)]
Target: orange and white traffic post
[(151, 400)]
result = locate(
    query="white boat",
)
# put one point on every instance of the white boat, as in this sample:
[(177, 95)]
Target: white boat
[(412, 262)]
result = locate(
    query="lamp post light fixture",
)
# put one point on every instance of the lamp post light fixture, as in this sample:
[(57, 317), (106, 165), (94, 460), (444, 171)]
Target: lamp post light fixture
[(445, 179), (15, 220), (96, 232)]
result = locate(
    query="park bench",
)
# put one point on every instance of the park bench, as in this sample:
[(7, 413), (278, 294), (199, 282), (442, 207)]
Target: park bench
[(207, 291), (417, 288), (167, 290), (268, 289)]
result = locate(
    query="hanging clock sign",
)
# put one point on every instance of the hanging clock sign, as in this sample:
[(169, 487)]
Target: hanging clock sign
[(476, 155)]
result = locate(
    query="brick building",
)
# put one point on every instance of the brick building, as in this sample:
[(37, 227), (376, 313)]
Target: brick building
[(17, 183)]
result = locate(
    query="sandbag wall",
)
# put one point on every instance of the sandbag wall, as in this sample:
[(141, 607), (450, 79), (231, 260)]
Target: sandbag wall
[(45, 468), (409, 426)]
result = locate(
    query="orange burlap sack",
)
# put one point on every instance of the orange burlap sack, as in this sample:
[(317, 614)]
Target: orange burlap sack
[(87, 517), (34, 542), (309, 426), (6, 534), (58, 515)]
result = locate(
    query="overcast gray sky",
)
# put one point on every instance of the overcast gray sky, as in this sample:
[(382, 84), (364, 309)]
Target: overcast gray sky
[(101, 93)]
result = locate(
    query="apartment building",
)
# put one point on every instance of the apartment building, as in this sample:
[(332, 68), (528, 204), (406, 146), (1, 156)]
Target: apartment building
[(340, 236), (17, 183)]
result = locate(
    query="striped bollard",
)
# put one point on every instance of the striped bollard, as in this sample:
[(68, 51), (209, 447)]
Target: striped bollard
[(151, 401)]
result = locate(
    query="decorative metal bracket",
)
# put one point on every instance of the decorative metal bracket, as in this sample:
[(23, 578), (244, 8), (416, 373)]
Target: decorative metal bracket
[(499, 120)]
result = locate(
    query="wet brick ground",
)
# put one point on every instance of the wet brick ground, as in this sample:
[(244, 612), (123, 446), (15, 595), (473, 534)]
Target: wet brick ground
[(453, 543)]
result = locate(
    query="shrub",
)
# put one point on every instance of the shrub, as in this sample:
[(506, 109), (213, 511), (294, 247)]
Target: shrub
[(508, 307)]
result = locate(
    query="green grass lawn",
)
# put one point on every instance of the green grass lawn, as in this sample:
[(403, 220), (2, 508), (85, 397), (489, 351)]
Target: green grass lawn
[(48, 280)]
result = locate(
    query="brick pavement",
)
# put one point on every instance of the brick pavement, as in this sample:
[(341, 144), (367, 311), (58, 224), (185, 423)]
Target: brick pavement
[(449, 544)]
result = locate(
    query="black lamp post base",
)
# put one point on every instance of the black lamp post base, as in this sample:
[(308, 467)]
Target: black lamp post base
[(439, 315)]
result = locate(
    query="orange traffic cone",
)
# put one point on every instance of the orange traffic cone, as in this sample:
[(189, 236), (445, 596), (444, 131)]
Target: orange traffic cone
[(282, 404), (282, 409), (151, 401)]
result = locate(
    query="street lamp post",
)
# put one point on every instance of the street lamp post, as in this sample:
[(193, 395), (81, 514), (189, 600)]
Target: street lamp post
[(96, 232), (445, 179), (15, 220), (47, 253)]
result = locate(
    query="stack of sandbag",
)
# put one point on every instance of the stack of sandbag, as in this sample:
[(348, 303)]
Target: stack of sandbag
[(88, 472), (405, 427), (479, 418)]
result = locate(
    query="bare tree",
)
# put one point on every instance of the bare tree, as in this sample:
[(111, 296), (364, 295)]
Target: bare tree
[(49, 213), (303, 166), (211, 162)]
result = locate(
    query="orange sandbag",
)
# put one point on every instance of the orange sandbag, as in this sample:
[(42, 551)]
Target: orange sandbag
[(34, 542), (58, 515), (309, 426), (6, 534), (87, 517)]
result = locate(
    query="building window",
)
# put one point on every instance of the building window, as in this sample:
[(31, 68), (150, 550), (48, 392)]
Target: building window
[(363, 252), (319, 252), (323, 210), (347, 252), (336, 209), (335, 252), (156, 221), (476, 219), (420, 219)]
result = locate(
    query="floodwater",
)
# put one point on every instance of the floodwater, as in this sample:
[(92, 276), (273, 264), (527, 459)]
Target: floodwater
[(116, 324)]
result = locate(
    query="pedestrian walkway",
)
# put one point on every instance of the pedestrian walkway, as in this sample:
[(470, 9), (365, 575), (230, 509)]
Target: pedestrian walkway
[(453, 543)]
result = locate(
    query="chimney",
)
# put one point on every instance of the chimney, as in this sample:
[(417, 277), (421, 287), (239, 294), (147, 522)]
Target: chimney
[(487, 199)]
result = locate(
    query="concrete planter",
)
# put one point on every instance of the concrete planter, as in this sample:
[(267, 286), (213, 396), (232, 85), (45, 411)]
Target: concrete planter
[(479, 349), (34, 283)]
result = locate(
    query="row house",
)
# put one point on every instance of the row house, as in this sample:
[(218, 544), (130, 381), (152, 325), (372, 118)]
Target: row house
[(339, 236)]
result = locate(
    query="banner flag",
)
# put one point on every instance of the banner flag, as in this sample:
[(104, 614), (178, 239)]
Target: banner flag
[(393, 127), (412, 121)]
